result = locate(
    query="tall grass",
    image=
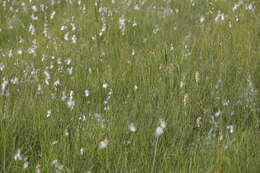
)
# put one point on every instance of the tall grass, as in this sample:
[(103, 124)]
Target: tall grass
[(129, 86)]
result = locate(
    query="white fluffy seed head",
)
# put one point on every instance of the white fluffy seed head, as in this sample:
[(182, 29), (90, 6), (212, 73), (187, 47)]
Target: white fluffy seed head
[(132, 128), (103, 144), (158, 131)]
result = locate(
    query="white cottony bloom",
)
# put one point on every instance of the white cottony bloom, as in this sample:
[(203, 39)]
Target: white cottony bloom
[(66, 36), (159, 130), (185, 99), (202, 19), (82, 151), (86, 93), (162, 124), (220, 16), (19, 52), (74, 39), (37, 169), (54, 142), (70, 70), (57, 83), (47, 77), (181, 84), (4, 84), (52, 14), (48, 113), (18, 155), (103, 144), (217, 114), (135, 87), (105, 85), (230, 128), (2, 67), (25, 165), (132, 128), (121, 23), (71, 103), (250, 7), (197, 77), (32, 29), (198, 121)]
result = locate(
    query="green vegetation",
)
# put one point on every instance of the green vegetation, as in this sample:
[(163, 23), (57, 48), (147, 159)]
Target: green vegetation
[(129, 86)]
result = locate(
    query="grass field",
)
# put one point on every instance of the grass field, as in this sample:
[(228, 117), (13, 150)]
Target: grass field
[(129, 86)]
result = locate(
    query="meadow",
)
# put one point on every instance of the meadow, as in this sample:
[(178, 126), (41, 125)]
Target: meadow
[(129, 86)]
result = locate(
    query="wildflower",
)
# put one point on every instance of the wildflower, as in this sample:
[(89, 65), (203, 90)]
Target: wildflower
[(86, 93), (48, 113), (32, 29), (66, 132), (202, 19), (185, 99), (74, 39), (25, 165), (2, 66), (54, 142), (52, 15), (18, 155), (20, 52), (105, 85), (103, 144), (82, 151), (121, 23), (71, 103), (197, 77), (218, 113), (159, 130), (132, 128), (198, 121), (66, 36), (220, 16), (230, 128), (181, 84), (37, 169), (70, 70), (250, 7)]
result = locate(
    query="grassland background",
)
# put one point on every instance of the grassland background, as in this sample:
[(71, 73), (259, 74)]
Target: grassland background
[(193, 64)]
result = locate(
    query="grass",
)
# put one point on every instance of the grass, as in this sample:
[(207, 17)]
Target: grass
[(193, 65)]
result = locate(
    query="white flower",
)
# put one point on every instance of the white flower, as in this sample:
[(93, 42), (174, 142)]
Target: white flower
[(230, 128), (162, 124), (25, 165), (54, 142), (66, 36), (158, 131), (86, 93), (82, 151), (181, 84), (185, 99), (202, 19), (132, 127), (218, 113), (74, 39), (18, 155), (103, 144), (48, 113), (198, 121), (197, 77), (2, 66), (105, 85), (71, 103)]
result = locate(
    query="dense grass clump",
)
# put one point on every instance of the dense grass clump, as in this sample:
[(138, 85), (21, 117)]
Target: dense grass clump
[(129, 86)]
